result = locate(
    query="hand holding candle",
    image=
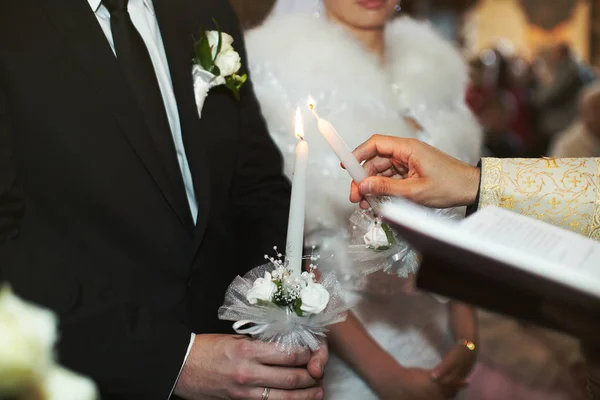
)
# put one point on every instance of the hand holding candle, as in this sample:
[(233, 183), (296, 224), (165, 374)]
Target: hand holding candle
[(295, 234)]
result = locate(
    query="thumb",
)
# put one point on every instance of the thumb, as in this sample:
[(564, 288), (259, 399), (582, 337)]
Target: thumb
[(442, 369), (383, 186)]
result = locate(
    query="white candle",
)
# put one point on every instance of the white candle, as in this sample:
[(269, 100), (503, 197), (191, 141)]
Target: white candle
[(345, 156), (337, 144), (295, 234)]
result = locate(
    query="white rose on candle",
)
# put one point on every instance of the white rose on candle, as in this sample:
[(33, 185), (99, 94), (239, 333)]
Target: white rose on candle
[(314, 298), (27, 337), (262, 289), (376, 237)]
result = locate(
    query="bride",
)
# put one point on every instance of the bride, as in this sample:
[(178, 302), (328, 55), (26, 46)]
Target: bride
[(369, 72)]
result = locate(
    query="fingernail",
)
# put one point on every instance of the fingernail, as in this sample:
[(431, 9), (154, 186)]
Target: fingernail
[(320, 395), (435, 374), (365, 187), (319, 366)]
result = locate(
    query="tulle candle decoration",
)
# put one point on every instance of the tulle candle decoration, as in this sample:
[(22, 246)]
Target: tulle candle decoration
[(295, 233)]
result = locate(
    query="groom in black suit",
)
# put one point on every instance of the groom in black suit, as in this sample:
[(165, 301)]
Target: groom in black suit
[(123, 211)]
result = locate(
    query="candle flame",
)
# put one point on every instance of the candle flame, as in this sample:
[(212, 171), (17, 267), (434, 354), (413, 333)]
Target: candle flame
[(312, 107), (299, 129)]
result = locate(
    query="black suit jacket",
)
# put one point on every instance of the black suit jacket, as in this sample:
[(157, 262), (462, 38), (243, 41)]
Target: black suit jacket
[(92, 224)]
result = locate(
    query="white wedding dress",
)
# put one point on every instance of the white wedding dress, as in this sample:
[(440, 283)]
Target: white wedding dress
[(296, 56)]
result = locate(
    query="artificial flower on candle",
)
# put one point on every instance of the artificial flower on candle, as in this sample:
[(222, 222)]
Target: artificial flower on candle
[(272, 304), (379, 236), (301, 293), (277, 302)]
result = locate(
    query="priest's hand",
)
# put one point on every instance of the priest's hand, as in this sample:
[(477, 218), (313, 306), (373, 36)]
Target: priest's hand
[(235, 367), (416, 171)]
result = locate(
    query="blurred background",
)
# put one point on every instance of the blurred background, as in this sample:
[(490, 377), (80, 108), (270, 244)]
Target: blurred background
[(533, 68)]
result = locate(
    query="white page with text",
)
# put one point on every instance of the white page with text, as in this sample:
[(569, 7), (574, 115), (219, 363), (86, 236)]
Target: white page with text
[(522, 242)]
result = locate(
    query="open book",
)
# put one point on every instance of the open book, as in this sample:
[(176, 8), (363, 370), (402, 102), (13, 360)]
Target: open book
[(507, 263)]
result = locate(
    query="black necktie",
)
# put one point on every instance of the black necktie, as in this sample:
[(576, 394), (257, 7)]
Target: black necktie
[(137, 66)]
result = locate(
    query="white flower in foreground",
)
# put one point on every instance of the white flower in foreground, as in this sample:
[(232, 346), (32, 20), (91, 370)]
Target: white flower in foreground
[(27, 338), (375, 237), (62, 384), (314, 298), (262, 289)]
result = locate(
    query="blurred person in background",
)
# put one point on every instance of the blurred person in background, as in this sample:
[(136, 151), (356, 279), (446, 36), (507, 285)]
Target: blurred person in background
[(582, 138), (496, 117), (481, 86), (556, 95)]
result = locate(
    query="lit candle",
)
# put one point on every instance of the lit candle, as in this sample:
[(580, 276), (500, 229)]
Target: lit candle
[(344, 154), (295, 234), (337, 144)]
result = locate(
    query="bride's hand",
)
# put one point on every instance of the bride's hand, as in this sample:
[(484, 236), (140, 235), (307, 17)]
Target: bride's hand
[(416, 384), (453, 371)]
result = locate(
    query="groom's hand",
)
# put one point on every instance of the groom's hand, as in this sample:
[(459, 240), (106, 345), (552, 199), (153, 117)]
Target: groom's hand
[(416, 171), (235, 367)]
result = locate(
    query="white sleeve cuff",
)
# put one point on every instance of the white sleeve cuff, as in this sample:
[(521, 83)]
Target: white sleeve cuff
[(192, 337)]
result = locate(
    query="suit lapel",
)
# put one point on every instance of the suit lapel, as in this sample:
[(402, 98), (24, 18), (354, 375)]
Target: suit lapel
[(177, 25), (78, 26)]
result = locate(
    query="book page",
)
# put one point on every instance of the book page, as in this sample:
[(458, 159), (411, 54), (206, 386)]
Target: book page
[(506, 237), (536, 238)]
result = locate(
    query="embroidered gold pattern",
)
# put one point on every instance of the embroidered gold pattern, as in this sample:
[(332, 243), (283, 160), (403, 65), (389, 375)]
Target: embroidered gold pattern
[(595, 228), (561, 191)]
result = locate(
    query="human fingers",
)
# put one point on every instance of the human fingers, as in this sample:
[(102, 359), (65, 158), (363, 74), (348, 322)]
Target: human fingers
[(318, 361), (382, 186), (268, 354), (257, 393), (446, 372), (378, 164), (386, 146), (285, 378), (355, 195), (454, 369)]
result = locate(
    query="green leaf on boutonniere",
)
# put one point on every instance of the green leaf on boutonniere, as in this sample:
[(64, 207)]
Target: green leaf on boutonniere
[(234, 83), (203, 53), (219, 43), (298, 307)]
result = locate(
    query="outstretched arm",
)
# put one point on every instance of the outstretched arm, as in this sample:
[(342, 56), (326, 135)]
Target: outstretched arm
[(353, 344), (457, 364)]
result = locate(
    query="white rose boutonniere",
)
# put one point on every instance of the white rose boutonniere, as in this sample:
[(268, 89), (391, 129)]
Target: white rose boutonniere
[(314, 298), (216, 63), (263, 289)]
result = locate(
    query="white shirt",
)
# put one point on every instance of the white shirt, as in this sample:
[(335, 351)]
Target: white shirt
[(144, 19)]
